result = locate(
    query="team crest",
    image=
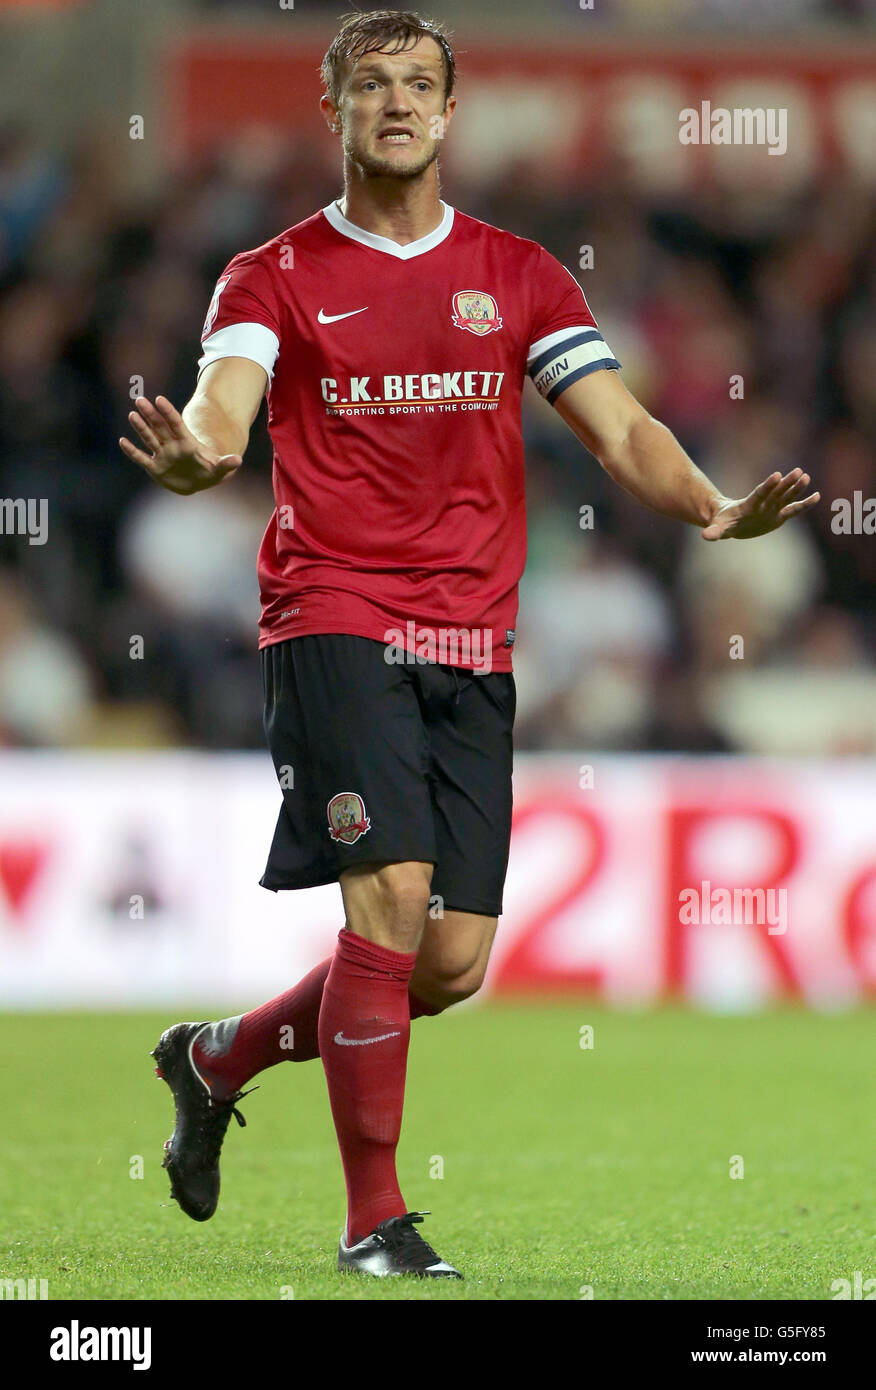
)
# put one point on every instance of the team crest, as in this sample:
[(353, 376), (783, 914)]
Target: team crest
[(347, 818), (476, 312)]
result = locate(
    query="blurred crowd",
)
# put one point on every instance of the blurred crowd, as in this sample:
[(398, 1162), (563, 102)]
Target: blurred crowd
[(633, 633)]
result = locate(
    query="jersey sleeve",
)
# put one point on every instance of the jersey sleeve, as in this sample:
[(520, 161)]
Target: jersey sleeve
[(565, 341), (243, 319)]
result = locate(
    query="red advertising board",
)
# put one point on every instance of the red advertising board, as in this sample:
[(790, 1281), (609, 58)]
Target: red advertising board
[(581, 110)]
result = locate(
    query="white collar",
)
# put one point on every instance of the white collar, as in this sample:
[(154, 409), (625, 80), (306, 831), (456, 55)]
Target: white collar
[(383, 243)]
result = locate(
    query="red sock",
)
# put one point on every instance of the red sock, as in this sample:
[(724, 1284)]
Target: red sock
[(364, 1029), (232, 1052)]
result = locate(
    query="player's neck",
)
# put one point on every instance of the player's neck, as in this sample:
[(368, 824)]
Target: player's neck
[(401, 211)]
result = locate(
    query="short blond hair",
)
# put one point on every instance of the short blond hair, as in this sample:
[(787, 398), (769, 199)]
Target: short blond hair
[(375, 32)]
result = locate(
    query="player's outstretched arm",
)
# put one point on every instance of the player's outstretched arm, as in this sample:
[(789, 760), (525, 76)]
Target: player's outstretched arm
[(646, 459), (205, 444)]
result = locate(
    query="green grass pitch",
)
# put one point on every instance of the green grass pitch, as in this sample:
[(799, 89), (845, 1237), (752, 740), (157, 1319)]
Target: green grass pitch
[(564, 1169)]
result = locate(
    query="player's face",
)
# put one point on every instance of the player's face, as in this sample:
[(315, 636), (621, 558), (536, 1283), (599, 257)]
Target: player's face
[(392, 111)]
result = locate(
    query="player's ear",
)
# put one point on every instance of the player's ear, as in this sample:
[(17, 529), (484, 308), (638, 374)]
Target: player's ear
[(330, 111), (449, 108)]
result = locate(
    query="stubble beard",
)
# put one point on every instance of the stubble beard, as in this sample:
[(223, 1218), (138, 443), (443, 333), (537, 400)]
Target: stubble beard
[(374, 167)]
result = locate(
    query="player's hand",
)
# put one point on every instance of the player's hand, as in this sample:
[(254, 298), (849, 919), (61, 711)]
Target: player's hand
[(766, 508), (178, 461)]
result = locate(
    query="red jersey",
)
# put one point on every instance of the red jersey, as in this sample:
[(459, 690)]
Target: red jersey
[(395, 380)]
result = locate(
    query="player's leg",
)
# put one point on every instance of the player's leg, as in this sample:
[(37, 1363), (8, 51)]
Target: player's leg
[(364, 1025), (450, 966), (386, 909), (451, 962), (372, 736), (345, 733), (210, 1063), (456, 947), (468, 723), (232, 1051), (452, 959), (364, 1029)]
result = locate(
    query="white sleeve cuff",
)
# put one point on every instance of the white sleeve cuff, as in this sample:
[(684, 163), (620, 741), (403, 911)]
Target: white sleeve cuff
[(250, 340)]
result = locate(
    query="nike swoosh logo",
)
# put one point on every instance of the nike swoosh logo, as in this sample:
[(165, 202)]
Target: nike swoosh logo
[(363, 1042), (323, 317)]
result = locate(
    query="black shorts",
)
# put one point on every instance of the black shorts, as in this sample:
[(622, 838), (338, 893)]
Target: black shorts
[(388, 762)]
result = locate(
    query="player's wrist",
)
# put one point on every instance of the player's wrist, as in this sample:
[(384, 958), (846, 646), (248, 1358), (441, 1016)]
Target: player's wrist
[(714, 503)]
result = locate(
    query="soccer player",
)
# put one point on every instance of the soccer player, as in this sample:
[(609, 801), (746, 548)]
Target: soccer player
[(393, 335)]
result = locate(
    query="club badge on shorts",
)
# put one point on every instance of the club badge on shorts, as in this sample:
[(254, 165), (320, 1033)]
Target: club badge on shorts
[(347, 818), (476, 312)]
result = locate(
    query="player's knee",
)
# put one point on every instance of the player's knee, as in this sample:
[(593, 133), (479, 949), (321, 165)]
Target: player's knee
[(389, 902), (455, 991), (444, 990), (403, 892)]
